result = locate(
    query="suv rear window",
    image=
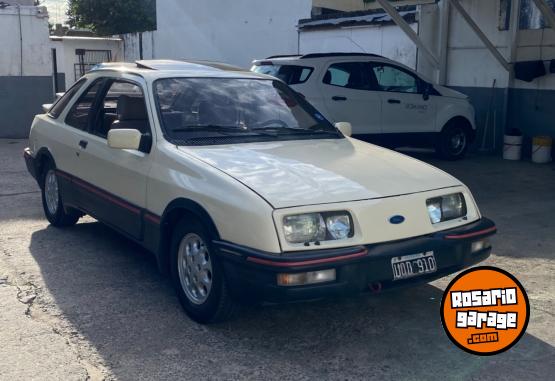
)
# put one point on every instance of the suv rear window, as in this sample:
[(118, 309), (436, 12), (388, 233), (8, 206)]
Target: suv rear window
[(290, 74)]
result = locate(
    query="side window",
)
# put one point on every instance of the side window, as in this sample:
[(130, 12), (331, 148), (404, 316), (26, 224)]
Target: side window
[(393, 79), (290, 74), (352, 75), (80, 114), (61, 103), (123, 106)]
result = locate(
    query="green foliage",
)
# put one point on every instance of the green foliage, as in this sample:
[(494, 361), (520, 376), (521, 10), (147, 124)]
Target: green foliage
[(108, 17)]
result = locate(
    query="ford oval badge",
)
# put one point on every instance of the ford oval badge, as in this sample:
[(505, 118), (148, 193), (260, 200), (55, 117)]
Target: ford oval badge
[(396, 220)]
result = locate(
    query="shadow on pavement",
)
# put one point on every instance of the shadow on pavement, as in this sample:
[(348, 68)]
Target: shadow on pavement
[(111, 291)]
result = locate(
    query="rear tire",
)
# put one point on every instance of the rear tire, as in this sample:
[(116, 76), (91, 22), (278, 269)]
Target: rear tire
[(453, 141), (197, 274), (54, 209)]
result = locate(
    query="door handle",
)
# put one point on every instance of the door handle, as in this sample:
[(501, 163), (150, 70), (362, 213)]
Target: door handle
[(83, 144), (394, 101), (337, 98)]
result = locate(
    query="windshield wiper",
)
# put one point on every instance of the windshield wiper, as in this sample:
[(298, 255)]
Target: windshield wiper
[(210, 127), (295, 130), (221, 129)]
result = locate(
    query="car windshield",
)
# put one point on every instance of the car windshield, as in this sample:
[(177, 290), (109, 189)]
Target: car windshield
[(203, 111)]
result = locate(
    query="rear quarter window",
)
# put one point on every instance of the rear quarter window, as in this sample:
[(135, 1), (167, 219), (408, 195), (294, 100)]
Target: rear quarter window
[(290, 74)]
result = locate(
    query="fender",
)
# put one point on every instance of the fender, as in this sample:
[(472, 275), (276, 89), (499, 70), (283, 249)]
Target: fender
[(454, 110), (41, 157), (173, 212)]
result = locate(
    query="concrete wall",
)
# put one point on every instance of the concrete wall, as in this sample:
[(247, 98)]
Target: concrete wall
[(25, 68), (131, 46), (35, 58), (385, 40), (235, 32)]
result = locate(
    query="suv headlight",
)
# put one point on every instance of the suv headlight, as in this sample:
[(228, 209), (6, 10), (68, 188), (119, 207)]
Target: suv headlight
[(446, 208), (315, 227)]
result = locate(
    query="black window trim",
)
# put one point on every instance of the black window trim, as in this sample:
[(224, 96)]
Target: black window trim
[(93, 106), (78, 84)]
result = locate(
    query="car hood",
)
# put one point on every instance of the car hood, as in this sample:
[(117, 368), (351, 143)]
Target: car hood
[(447, 92), (308, 172)]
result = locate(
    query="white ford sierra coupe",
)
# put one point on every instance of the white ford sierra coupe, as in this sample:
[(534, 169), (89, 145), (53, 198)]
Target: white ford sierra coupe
[(243, 190)]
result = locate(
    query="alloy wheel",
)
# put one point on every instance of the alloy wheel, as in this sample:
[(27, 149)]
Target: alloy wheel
[(195, 268)]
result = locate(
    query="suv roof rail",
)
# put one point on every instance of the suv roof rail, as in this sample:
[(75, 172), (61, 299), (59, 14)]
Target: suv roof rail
[(342, 54), (284, 56)]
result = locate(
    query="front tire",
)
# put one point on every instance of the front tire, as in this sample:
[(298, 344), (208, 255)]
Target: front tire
[(453, 142), (197, 274), (52, 204)]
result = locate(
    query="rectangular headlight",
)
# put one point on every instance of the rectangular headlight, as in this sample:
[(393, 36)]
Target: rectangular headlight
[(316, 227), (446, 208)]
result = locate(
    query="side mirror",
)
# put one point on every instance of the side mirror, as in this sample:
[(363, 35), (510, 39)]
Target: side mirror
[(124, 139), (345, 128)]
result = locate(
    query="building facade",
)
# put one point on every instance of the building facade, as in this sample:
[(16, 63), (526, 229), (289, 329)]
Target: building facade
[(25, 66), (236, 32)]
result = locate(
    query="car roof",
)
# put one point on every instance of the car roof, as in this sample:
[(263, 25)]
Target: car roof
[(177, 68), (317, 56)]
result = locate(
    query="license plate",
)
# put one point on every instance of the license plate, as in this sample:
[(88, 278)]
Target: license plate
[(409, 266)]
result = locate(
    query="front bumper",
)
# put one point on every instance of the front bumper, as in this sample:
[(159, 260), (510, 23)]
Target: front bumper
[(252, 274)]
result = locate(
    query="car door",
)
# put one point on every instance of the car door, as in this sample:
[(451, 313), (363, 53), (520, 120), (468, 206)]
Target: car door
[(346, 89), (405, 107), (71, 129), (115, 180)]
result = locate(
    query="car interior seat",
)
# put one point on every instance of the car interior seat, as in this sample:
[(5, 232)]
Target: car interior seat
[(132, 114)]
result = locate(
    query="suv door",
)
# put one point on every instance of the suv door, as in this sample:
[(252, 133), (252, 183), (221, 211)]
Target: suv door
[(405, 107), (348, 97), (115, 180)]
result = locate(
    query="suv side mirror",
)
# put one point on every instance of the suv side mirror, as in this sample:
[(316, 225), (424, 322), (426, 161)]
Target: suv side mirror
[(345, 128), (124, 139)]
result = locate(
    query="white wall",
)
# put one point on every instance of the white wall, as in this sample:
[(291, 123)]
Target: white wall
[(66, 57), (388, 41), (131, 46), (36, 53), (471, 64), (235, 32)]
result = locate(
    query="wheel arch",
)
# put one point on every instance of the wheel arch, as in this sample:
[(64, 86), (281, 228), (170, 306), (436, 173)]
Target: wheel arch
[(42, 157), (175, 211), (462, 121)]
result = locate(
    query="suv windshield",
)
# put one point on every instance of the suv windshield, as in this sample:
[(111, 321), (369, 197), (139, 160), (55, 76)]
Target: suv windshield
[(204, 111)]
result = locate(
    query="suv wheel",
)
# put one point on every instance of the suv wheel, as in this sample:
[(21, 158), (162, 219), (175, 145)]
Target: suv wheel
[(52, 204), (453, 142), (198, 276)]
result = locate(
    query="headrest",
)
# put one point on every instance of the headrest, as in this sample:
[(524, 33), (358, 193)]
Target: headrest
[(327, 77), (131, 108)]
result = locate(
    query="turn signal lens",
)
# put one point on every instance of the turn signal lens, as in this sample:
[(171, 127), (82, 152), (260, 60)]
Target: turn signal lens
[(311, 277), (480, 245)]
